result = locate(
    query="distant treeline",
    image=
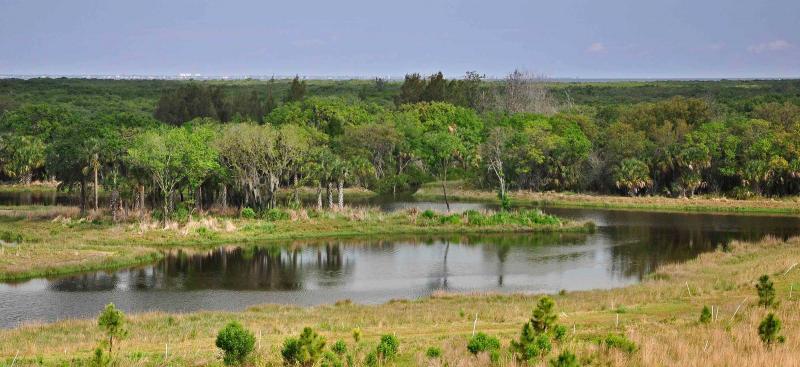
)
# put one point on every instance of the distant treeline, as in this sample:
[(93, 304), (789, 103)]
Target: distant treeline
[(150, 143)]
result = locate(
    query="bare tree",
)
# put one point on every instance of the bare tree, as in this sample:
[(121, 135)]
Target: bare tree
[(527, 92), (494, 151)]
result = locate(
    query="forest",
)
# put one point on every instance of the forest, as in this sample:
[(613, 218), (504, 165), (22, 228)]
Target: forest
[(178, 145)]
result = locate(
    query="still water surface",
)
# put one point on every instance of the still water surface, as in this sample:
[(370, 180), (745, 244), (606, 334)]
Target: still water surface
[(626, 246)]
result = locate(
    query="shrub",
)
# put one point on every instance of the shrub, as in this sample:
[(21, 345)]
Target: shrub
[(450, 219), (428, 214), (559, 332), (305, 350), (433, 352), (112, 322), (475, 218), (766, 291), (10, 237), (340, 347), (247, 213), (481, 342), (705, 315), (236, 343), (769, 330), (387, 348), (565, 359), (180, 214), (357, 335), (619, 342), (331, 359), (371, 360), (505, 201), (544, 316), (275, 214)]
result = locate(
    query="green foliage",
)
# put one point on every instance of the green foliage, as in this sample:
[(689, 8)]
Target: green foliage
[(275, 214), (10, 237), (705, 315), (769, 330), (565, 359), (433, 352), (112, 323), (356, 335), (544, 315), (331, 359), (428, 214), (339, 347), (236, 343), (388, 347), (450, 219), (305, 350), (535, 339), (620, 342), (766, 291), (247, 213), (481, 342)]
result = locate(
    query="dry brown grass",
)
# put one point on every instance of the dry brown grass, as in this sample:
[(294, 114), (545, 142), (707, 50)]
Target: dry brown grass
[(660, 315)]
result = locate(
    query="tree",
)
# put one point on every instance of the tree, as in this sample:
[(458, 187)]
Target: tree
[(305, 350), (769, 330), (21, 156), (297, 90), (632, 175), (766, 291), (412, 90), (565, 359), (175, 155), (190, 101), (705, 315), (236, 343), (112, 322), (495, 150), (525, 92), (436, 89)]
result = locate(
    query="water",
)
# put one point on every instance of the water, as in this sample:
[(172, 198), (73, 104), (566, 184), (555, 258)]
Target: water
[(627, 246)]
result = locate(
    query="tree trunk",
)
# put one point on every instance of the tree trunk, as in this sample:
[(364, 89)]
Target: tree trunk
[(340, 189), (224, 197), (141, 202), (319, 196), (83, 196), (444, 190), (330, 195), (96, 185), (114, 203), (166, 207)]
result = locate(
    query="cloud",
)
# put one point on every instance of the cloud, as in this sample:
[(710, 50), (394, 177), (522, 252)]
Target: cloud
[(776, 45), (596, 47)]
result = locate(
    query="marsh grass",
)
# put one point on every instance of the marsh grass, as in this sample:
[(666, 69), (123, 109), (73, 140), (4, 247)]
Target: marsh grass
[(660, 318), (458, 190), (68, 244)]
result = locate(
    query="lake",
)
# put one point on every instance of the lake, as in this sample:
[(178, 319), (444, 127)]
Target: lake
[(626, 247)]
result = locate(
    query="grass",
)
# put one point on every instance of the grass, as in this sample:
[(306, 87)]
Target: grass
[(458, 190), (65, 245), (660, 316)]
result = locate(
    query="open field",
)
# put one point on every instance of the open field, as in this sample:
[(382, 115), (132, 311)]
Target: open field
[(43, 242), (458, 190), (660, 316)]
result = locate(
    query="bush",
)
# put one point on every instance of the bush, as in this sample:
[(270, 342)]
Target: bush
[(180, 214), (559, 332), (371, 360), (481, 342), (705, 315), (433, 352), (387, 348), (275, 214), (305, 350), (236, 343), (619, 342), (565, 359), (450, 219), (505, 202), (428, 214), (357, 335), (340, 347), (769, 330), (247, 213), (331, 359), (544, 316), (475, 218), (766, 291), (10, 237)]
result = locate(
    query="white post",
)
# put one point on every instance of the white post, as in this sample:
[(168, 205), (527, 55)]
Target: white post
[(474, 324)]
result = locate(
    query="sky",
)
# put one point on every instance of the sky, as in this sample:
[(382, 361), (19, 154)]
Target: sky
[(564, 39)]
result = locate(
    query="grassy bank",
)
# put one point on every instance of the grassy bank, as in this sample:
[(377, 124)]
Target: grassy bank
[(463, 192), (35, 246), (660, 316)]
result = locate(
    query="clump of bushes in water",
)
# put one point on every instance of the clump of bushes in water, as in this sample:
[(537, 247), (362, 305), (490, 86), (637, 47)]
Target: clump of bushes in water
[(236, 343), (476, 218)]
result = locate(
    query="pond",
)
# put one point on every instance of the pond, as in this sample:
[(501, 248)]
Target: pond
[(626, 247)]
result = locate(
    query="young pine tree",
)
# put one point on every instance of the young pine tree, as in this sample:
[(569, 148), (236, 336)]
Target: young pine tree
[(112, 322), (769, 330), (705, 315), (766, 291)]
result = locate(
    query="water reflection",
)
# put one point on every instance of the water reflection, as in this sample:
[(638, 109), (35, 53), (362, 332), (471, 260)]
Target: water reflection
[(626, 247)]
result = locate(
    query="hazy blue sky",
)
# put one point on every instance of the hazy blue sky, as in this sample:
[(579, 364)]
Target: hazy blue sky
[(567, 38)]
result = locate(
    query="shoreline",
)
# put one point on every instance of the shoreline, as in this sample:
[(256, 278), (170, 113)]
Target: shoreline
[(659, 315), (721, 205), (85, 246)]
